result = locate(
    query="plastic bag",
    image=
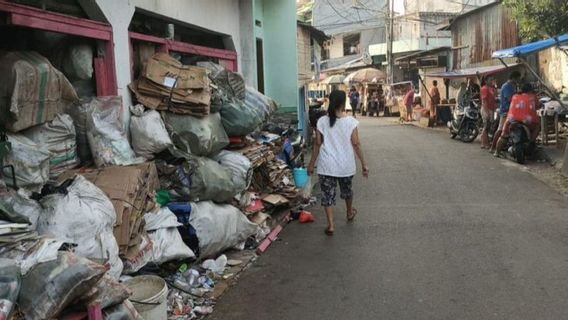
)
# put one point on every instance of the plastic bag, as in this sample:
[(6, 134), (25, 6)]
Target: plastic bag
[(84, 216), (107, 136), (59, 137), (211, 181), (219, 227), (197, 136), (9, 286), (149, 134), (239, 166), (240, 119), (30, 161), (44, 250), (167, 244), (52, 286), (17, 207)]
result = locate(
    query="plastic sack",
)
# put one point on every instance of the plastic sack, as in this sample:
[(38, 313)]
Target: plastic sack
[(167, 244), (59, 137), (9, 286), (30, 161), (239, 119), (79, 115), (144, 256), (44, 250), (219, 227), (17, 207), (107, 136), (84, 216), (78, 64), (52, 286), (211, 181), (239, 166), (197, 136), (32, 91), (148, 132), (108, 291), (263, 104)]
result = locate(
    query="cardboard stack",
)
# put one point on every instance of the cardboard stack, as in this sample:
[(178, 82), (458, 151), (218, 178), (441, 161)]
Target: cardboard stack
[(166, 84), (275, 177), (132, 192), (258, 154)]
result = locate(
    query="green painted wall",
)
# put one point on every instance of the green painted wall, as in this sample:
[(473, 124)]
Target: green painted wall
[(280, 50)]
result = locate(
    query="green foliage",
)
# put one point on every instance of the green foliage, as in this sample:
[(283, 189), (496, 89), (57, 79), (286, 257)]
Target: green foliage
[(540, 18)]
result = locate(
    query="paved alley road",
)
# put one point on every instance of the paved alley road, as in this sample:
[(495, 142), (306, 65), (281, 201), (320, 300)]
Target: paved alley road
[(444, 231)]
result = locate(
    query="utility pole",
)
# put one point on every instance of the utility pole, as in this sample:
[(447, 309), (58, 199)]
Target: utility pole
[(389, 17)]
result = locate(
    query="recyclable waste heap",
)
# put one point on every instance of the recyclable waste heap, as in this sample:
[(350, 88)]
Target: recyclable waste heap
[(90, 207)]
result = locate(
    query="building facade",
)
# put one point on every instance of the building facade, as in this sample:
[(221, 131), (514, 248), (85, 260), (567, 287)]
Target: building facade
[(254, 37)]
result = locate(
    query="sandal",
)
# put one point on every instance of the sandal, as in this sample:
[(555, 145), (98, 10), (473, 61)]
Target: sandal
[(352, 216), (328, 232)]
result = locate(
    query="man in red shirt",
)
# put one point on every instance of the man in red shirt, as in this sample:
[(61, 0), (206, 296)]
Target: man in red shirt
[(488, 106), (523, 110)]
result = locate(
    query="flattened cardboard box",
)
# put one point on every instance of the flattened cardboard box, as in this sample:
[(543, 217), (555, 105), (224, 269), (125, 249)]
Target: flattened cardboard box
[(168, 72)]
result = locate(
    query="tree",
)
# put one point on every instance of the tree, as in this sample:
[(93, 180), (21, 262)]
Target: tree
[(540, 18)]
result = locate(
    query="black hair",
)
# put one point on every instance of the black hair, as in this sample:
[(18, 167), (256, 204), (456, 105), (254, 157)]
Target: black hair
[(336, 103), (483, 82), (435, 82), (526, 88), (514, 75)]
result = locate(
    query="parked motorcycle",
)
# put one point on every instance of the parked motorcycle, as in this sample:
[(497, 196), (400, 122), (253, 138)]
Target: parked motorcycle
[(465, 122), (519, 144)]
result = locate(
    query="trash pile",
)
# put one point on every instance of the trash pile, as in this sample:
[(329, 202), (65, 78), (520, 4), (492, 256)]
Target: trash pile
[(131, 221)]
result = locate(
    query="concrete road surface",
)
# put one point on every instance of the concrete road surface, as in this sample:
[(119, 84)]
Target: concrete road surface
[(444, 231)]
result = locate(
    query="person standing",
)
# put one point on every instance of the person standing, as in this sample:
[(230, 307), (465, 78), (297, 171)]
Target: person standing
[(409, 103), (473, 88), (507, 91), (488, 106), (354, 100), (337, 143), (435, 99)]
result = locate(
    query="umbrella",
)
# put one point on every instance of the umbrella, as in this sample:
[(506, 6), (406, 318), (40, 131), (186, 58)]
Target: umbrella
[(365, 75), (335, 79)]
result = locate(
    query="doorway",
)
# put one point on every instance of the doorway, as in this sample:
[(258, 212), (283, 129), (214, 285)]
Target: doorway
[(260, 65)]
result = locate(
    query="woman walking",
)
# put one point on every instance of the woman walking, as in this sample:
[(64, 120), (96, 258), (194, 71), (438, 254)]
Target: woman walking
[(337, 143)]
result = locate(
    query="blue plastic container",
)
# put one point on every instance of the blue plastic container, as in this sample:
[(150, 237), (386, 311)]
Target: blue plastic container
[(301, 177)]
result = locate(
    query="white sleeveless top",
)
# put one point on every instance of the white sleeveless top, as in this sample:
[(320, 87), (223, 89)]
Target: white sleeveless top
[(337, 156)]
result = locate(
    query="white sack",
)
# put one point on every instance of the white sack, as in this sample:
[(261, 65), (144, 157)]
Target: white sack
[(219, 227), (167, 244), (148, 132), (84, 216), (239, 166), (30, 161)]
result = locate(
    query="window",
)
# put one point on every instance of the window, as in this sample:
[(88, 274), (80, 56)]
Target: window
[(351, 44)]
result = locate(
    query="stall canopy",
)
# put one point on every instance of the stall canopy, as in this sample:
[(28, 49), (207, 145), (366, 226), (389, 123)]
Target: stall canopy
[(530, 48), (471, 72)]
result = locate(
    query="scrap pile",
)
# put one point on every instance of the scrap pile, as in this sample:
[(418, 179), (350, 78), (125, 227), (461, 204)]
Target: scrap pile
[(87, 209)]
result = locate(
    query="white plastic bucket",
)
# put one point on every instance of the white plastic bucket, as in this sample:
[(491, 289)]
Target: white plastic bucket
[(149, 296)]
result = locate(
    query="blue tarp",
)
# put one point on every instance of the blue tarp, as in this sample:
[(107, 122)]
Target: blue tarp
[(529, 48)]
